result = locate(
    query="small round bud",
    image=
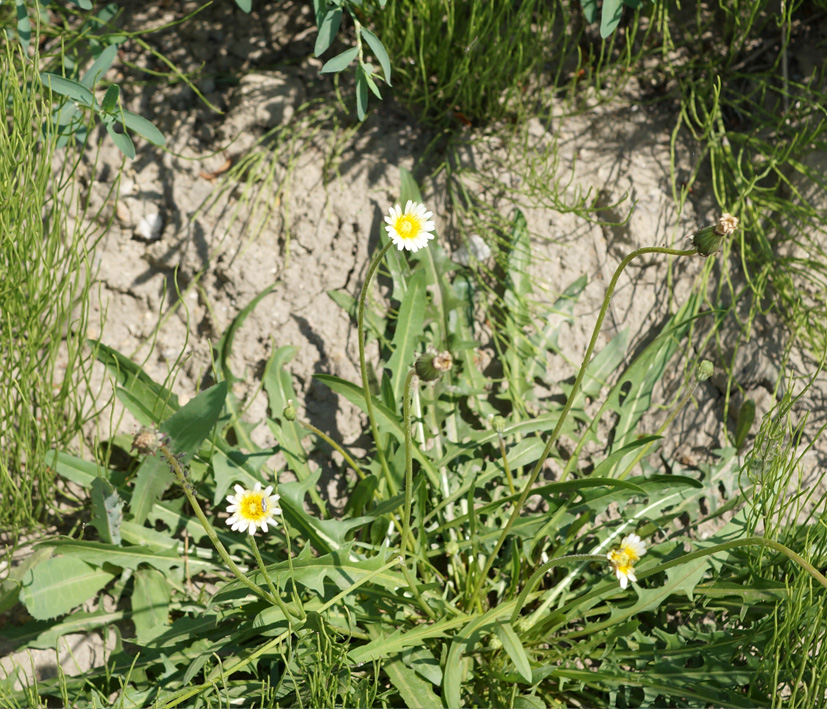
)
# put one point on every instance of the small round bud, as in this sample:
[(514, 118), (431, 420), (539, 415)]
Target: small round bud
[(147, 440), (451, 548), (708, 240), (704, 370), (289, 412), (498, 422), (432, 365)]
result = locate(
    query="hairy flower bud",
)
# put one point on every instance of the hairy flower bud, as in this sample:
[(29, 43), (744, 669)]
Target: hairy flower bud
[(289, 412), (148, 440), (708, 240), (704, 370), (432, 365)]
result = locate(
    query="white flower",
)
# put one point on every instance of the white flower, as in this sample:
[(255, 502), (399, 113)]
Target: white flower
[(632, 547), (410, 229), (252, 508)]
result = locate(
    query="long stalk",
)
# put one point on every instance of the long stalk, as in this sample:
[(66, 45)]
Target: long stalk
[(380, 450)]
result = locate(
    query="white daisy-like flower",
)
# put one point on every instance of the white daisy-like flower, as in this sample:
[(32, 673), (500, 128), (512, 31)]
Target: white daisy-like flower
[(410, 229), (632, 547), (252, 509)]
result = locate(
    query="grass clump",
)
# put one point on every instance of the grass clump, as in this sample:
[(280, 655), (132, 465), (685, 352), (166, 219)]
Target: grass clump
[(45, 243)]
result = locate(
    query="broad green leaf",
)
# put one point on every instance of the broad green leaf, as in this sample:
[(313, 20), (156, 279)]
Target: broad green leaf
[(43, 635), (361, 93), (327, 30), (422, 661), (129, 375), (400, 640), (380, 52), (374, 89), (71, 89), (107, 511), (60, 584), (589, 10), (150, 604), (245, 5), (144, 128), (409, 327), (409, 190), (77, 470), (415, 692), (746, 417), (110, 98), (514, 649), (610, 17), (24, 25), (99, 554), (99, 67), (120, 137), (341, 61)]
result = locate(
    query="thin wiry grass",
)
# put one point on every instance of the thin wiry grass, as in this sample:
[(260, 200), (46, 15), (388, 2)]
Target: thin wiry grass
[(48, 234)]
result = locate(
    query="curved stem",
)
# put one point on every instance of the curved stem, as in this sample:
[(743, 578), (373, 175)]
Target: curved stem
[(380, 452), (219, 547), (279, 602), (607, 299), (354, 466)]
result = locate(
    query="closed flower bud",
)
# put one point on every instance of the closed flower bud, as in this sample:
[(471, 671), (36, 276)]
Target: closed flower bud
[(704, 370), (432, 365), (289, 412), (498, 422), (708, 240)]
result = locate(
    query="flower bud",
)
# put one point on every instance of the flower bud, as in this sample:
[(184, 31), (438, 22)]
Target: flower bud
[(289, 412), (432, 365), (708, 240), (498, 422), (148, 440), (704, 370)]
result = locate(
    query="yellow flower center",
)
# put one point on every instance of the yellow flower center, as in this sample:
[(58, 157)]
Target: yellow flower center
[(630, 554), (407, 226), (253, 507)]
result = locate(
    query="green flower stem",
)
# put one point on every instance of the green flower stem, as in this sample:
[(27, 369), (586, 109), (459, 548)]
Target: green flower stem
[(505, 465), (406, 519), (380, 452), (406, 425), (219, 547), (281, 604), (607, 299), (296, 597), (354, 466)]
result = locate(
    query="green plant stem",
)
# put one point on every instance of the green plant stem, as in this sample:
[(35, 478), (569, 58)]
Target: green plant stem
[(354, 466), (505, 464), (363, 295), (607, 299), (406, 519), (406, 425), (263, 569), (296, 597), (219, 547)]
